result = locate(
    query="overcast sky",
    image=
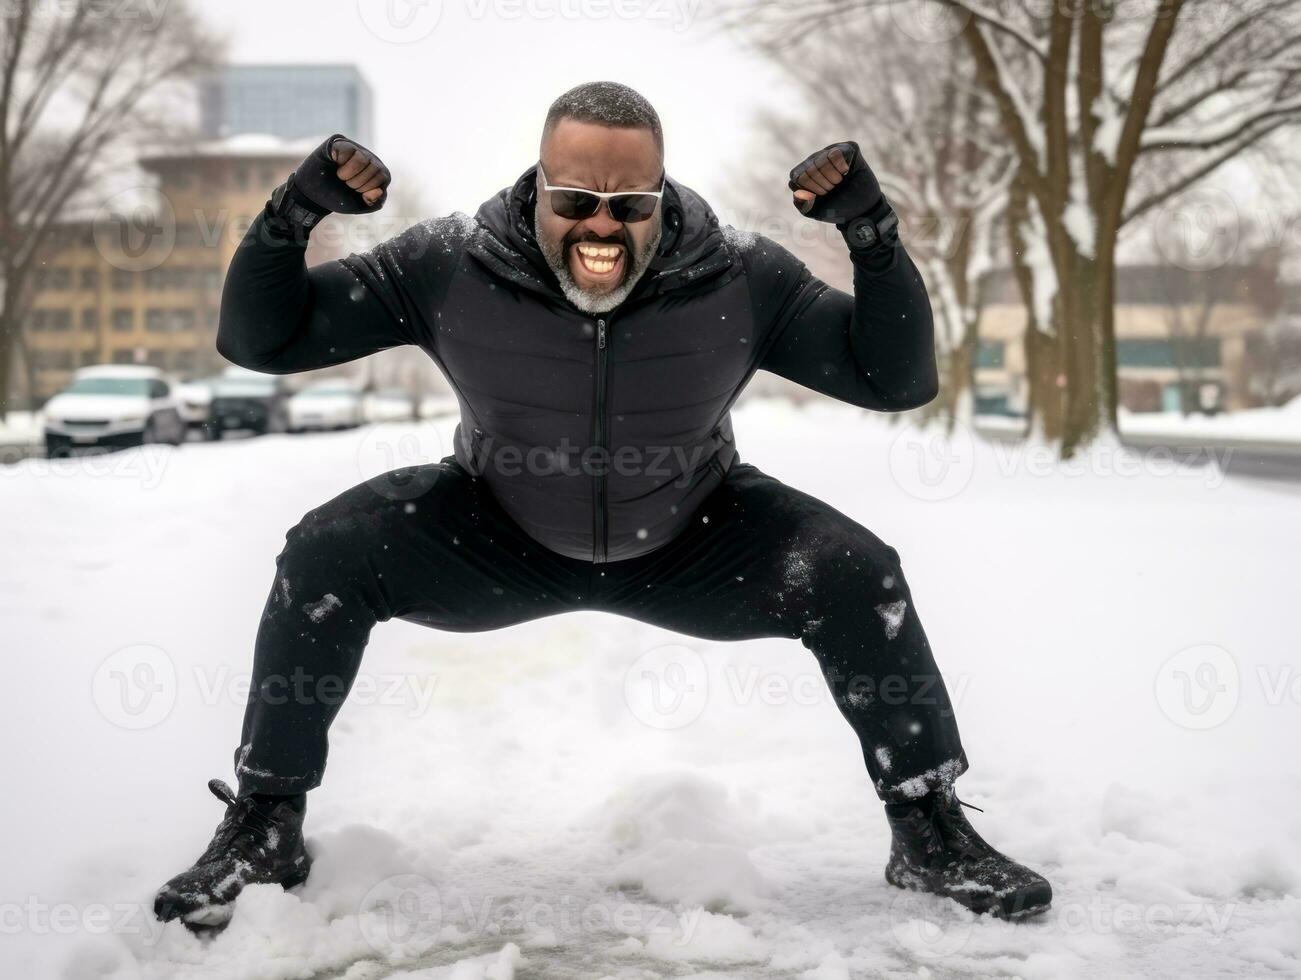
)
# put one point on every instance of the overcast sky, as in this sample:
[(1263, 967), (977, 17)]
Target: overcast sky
[(459, 106)]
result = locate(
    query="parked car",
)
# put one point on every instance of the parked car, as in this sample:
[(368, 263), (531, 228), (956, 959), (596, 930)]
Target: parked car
[(331, 404), (247, 400), (437, 406), (389, 405), (195, 401), (113, 406)]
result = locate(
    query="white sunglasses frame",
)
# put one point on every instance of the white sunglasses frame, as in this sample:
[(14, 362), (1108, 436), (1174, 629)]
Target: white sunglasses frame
[(604, 196)]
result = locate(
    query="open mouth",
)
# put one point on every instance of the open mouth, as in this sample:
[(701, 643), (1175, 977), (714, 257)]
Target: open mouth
[(603, 263)]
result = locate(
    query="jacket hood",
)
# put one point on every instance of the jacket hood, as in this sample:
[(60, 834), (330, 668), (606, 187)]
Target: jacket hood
[(691, 245)]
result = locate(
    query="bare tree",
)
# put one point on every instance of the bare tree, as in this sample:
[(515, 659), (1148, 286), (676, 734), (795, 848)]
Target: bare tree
[(79, 80), (926, 130), (1112, 109)]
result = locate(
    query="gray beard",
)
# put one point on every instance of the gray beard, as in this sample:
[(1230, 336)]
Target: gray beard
[(586, 301)]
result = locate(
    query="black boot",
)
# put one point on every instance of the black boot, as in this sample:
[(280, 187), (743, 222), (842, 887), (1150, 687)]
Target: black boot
[(257, 842), (936, 849)]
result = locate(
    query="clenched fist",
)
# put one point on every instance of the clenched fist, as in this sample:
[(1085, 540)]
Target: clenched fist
[(361, 170), (343, 176), (835, 185)]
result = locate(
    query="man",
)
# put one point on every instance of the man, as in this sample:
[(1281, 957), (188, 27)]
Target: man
[(597, 325)]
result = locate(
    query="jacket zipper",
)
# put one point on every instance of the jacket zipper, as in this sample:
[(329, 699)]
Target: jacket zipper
[(600, 531)]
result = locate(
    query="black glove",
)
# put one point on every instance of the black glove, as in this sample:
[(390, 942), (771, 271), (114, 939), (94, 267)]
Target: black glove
[(857, 194), (314, 190)]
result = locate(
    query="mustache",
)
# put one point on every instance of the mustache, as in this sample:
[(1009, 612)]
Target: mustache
[(587, 238)]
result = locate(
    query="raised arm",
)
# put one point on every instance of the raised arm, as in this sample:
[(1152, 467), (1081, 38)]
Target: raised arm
[(280, 317), (875, 349)]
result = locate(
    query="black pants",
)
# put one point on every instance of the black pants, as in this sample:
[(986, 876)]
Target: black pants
[(429, 544)]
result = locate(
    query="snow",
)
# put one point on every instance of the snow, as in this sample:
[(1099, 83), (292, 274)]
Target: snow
[(20, 429), (1280, 426), (1118, 644)]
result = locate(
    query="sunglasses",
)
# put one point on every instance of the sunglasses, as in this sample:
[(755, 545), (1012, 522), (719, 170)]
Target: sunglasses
[(577, 203)]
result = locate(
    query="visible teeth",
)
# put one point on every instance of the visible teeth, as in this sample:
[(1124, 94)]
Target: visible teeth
[(599, 258)]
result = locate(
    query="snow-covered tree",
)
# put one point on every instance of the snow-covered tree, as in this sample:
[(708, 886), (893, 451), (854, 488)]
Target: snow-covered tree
[(1112, 109), (75, 80), (929, 133)]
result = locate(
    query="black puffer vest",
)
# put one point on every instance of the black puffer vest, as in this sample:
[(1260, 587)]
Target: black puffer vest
[(598, 433)]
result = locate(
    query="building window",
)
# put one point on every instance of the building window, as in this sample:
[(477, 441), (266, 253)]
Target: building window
[(990, 354), (56, 277), (89, 278), (53, 360), (90, 319), (124, 319), (124, 356), (1160, 352), (123, 279), (50, 320), (155, 320), (210, 278)]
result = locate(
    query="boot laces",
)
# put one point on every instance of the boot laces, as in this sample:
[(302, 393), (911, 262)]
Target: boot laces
[(244, 818)]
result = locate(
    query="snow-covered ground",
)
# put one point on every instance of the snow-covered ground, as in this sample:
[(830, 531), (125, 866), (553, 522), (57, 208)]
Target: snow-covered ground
[(1119, 636), (1279, 425)]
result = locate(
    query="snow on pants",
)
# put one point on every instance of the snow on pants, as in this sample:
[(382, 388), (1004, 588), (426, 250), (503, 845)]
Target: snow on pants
[(430, 544)]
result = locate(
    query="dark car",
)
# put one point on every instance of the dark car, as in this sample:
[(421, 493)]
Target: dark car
[(247, 401)]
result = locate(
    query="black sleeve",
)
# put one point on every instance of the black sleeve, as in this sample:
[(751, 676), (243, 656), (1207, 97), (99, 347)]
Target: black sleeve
[(875, 349), (278, 316)]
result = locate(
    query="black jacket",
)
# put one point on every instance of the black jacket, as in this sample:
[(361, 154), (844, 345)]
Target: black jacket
[(599, 434)]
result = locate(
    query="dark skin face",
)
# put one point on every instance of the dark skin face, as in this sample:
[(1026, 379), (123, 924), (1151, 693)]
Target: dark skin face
[(598, 158)]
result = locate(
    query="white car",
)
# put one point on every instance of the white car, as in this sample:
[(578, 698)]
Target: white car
[(195, 401), (389, 405), (330, 404), (436, 406), (113, 406)]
